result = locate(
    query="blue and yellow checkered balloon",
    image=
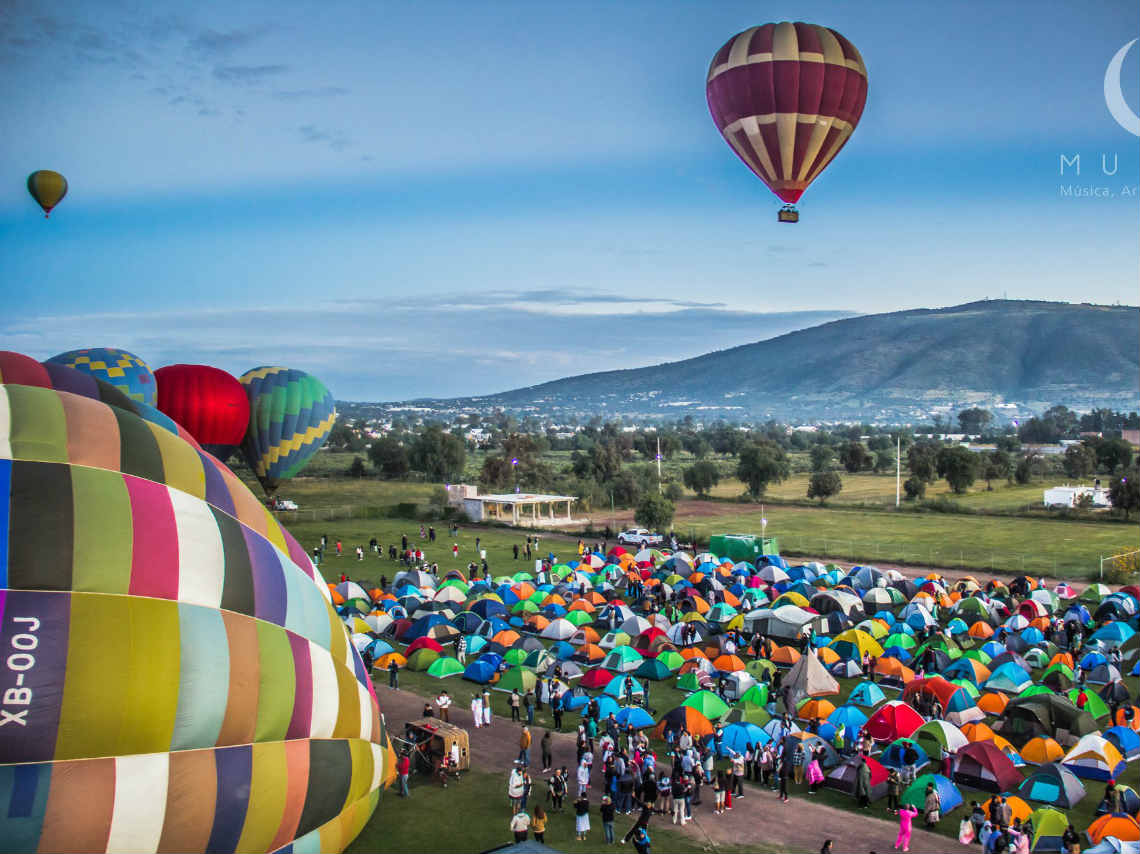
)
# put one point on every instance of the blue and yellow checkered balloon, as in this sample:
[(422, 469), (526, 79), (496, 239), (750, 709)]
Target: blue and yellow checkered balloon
[(125, 371)]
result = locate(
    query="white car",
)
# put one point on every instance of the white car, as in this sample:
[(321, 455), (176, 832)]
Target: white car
[(640, 537), (284, 504)]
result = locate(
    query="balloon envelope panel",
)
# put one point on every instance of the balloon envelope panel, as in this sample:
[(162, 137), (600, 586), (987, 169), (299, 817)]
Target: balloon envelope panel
[(291, 415), (125, 371), (180, 680)]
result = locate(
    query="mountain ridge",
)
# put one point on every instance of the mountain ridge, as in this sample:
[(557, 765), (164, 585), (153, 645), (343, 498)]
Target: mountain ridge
[(1026, 352)]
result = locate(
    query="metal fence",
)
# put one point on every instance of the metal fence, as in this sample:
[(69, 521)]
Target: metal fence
[(328, 514)]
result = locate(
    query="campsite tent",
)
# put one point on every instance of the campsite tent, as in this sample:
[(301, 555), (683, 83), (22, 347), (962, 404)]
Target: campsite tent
[(1094, 758), (894, 719), (809, 678), (915, 793), (1052, 784), (1045, 714), (982, 765), (1048, 827), (843, 776)]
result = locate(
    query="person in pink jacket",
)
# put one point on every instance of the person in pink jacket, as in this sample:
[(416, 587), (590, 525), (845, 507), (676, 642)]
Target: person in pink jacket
[(906, 816)]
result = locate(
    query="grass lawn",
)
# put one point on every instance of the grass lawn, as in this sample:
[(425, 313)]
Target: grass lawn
[(473, 815), (354, 510)]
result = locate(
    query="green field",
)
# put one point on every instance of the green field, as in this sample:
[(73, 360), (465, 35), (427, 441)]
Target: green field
[(473, 815), (357, 510)]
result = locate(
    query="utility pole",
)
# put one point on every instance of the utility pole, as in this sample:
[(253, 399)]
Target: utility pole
[(658, 463), (898, 467)]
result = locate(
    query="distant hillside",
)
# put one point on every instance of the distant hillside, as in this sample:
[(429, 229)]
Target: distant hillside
[(906, 363)]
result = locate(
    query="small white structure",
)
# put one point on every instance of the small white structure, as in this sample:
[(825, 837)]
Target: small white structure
[(1068, 496), (511, 508)]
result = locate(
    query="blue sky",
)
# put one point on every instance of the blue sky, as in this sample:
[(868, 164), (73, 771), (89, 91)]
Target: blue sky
[(457, 198)]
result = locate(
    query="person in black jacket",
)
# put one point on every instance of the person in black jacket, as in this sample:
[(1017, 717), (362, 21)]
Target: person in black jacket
[(608, 812)]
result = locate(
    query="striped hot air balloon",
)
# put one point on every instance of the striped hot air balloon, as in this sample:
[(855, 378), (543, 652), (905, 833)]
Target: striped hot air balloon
[(176, 676), (787, 97), (290, 415)]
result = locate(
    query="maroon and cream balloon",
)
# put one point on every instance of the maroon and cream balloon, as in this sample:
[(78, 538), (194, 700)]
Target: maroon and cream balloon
[(787, 97)]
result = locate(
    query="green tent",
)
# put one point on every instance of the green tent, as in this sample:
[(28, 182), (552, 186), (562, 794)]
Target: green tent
[(443, 667), (689, 682), (757, 667), (579, 618), (1048, 827), (539, 659), (1095, 705), (422, 659), (516, 656), (1094, 593), (707, 703), (517, 677), (671, 659), (757, 695), (748, 713)]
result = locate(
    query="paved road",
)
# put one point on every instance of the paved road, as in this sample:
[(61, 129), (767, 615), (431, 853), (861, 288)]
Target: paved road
[(759, 818)]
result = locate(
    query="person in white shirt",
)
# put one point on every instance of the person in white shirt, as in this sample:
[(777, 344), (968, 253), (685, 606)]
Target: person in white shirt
[(477, 710), (443, 701)]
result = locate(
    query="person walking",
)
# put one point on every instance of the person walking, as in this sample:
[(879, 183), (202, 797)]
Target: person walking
[(393, 674), (524, 747), (520, 823), (443, 701), (785, 773), (538, 824), (581, 817), (863, 783), (641, 839), (556, 710), (718, 793), (738, 775), (932, 807), (547, 753), (607, 812), (559, 785), (528, 704), (403, 770), (894, 789), (798, 763), (906, 819), (486, 707), (477, 710), (516, 786), (515, 702)]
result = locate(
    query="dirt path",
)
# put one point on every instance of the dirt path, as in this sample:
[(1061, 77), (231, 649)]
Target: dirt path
[(799, 825)]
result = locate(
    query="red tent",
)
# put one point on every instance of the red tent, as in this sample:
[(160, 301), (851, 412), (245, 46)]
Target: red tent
[(983, 765), (599, 677), (893, 720), (423, 643)]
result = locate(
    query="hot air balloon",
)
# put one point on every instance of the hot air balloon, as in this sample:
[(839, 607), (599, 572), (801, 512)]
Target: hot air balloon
[(290, 415), (125, 371), (47, 188), (19, 369), (177, 677), (208, 402), (787, 97)]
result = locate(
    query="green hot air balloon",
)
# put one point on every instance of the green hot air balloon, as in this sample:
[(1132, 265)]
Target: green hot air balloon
[(47, 188), (290, 415)]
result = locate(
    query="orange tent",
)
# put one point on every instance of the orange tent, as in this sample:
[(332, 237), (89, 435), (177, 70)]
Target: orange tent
[(537, 622), (786, 655), (892, 668), (728, 663), (827, 655), (581, 605), (383, 661), (692, 652), (523, 589), (814, 708), (981, 631), (337, 599), (1018, 807), (1041, 750), (595, 598), (1065, 658), (554, 599), (1121, 720), (977, 732), (588, 633), (592, 652), (993, 702), (1123, 827), (505, 638)]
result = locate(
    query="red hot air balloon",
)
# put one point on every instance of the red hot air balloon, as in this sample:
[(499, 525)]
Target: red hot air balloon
[(208, 402), (787, 97)]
